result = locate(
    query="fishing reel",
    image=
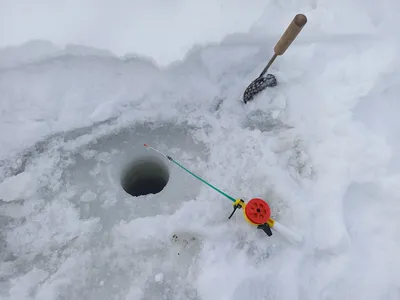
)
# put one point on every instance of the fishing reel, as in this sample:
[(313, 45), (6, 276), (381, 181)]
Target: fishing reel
[(256, 212)]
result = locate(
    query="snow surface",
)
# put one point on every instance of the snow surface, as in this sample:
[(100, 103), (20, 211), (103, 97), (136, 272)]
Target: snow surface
[(321, 147)]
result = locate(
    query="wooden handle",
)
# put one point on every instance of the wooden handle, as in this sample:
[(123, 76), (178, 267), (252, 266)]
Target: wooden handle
[(290, 34)]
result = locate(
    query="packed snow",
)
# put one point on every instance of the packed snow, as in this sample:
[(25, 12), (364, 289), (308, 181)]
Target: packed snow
[(84, 85)]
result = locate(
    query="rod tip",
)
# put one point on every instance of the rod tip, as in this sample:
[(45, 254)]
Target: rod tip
[(146, 145)]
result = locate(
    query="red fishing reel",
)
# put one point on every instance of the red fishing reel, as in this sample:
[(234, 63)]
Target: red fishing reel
[(257, 212)]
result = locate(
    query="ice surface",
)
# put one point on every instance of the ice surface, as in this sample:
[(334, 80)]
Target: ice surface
[(321, 147)]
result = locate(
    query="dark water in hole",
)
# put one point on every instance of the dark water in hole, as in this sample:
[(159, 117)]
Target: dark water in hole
[(145, 176), (147, 185)]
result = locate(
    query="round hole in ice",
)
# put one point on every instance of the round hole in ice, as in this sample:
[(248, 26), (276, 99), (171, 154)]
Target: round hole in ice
[(143, 176)]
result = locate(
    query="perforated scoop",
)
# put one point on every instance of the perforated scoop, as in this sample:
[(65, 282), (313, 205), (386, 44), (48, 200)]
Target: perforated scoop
[(262, 82)]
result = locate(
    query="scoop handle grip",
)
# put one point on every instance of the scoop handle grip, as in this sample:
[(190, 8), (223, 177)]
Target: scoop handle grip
[(290, 34)]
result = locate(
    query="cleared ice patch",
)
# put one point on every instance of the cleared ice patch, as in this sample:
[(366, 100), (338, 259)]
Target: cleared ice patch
[(99, 178), (24, 287), (58, 224), (78, 215)]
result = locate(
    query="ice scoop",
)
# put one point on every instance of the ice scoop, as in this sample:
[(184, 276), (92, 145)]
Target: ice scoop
[(262, 81)]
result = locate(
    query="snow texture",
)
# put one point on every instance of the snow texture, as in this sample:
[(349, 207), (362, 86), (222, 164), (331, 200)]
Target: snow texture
[(84, 84)]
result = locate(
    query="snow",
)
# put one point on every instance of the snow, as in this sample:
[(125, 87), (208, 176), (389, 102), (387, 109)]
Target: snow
[(10, 188), (127, 27), (84, 85)]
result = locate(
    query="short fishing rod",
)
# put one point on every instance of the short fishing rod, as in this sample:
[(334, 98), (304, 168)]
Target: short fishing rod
[(256, 212)]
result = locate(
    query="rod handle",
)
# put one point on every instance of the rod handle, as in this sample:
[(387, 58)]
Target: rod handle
[(289, 234)]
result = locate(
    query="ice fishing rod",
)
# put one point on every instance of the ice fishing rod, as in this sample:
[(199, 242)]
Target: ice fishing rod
[(256, 212)]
